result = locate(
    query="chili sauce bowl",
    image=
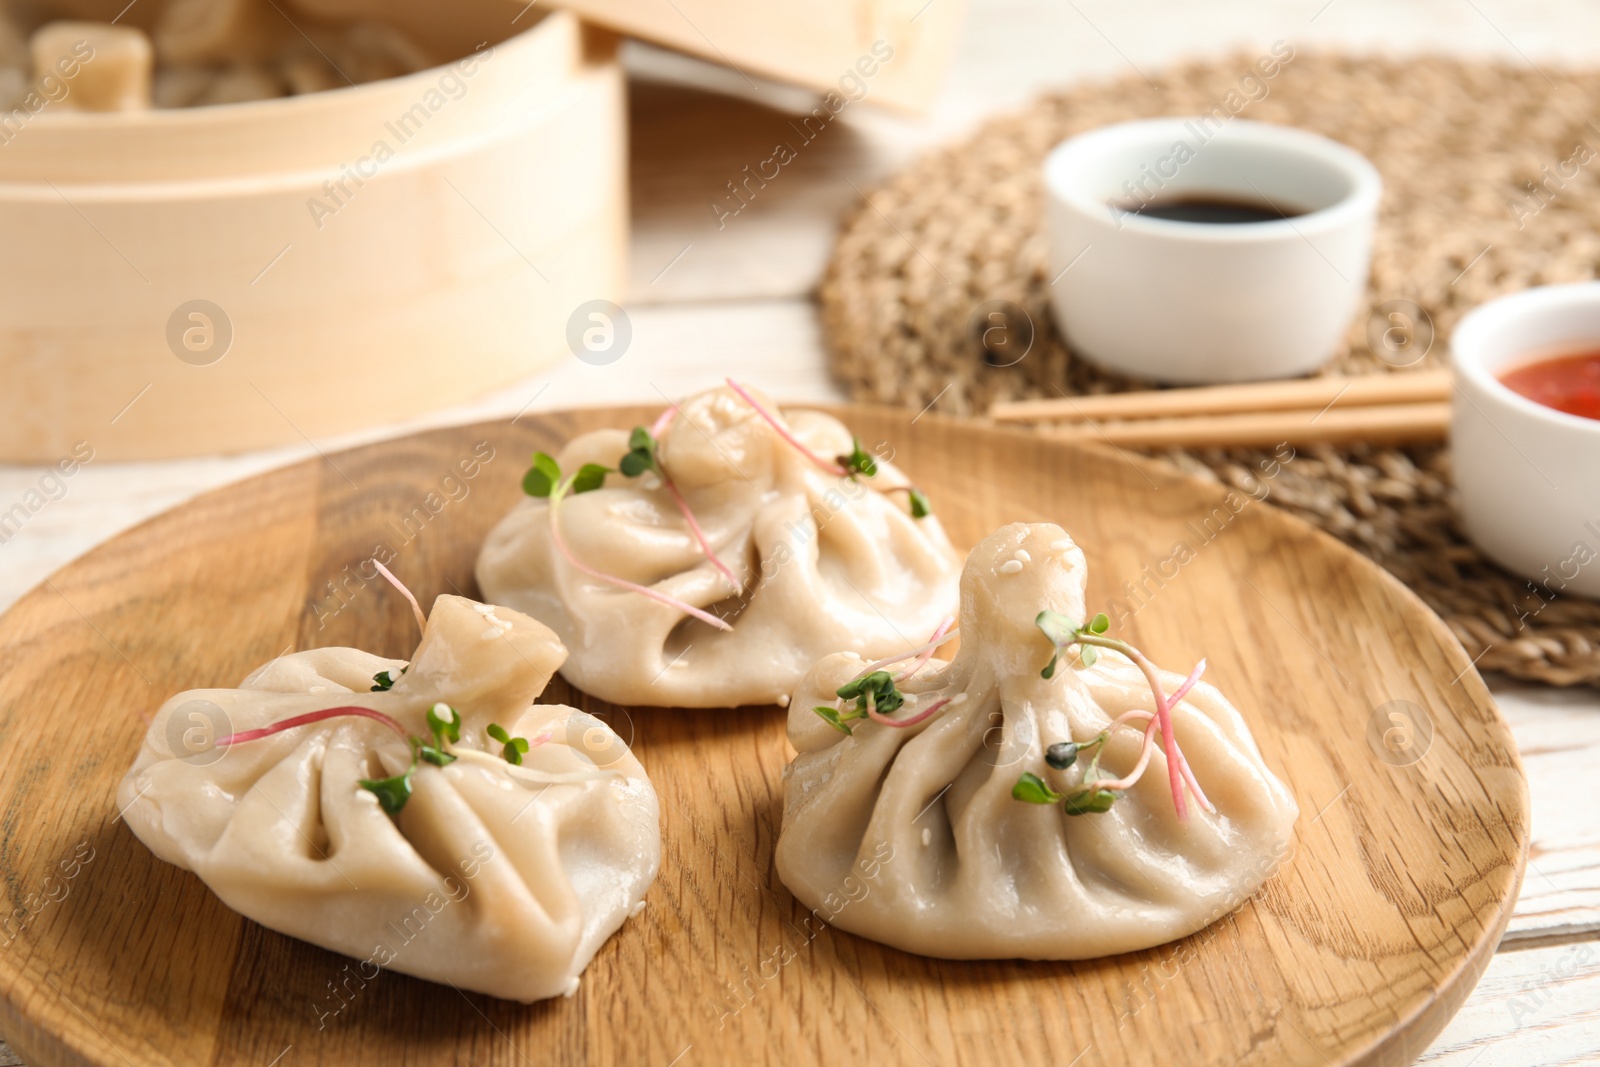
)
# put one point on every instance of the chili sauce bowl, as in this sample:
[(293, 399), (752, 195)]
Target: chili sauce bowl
[(1528, 475)]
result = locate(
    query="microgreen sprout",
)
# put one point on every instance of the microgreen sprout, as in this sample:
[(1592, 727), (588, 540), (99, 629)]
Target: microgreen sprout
[(513, 748), (384, 681), (835, 719), (544, 480), (444, 722), (876, 696), (352, 710), (783, 431), (444, 726), (641, 455), (859, 461), (393, 792), (1093, 800), (644, 454), (1063, 634), (1062, 755), (416, 609), (874, 692), (1089, 802), (544, 477), (879, 687), (1032, 789)]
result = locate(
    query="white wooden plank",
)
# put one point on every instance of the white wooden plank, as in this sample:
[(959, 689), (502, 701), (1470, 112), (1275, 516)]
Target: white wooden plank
[(1535, 1008), (1558, 735)]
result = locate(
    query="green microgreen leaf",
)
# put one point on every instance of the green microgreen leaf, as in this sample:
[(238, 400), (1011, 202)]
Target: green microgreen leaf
[(542, 477), (885, 697), (590, 476), (1061, 631), (859, 461), (641, 455), (1062, 755), (511, 748), (1090, 802), (920, 508), (831, 717), (384, 681), (436, 756), (1058, 628), (1099, 624), (392, 793), (1088, 655), (444, 722), (1050, 668), (1032, 789)]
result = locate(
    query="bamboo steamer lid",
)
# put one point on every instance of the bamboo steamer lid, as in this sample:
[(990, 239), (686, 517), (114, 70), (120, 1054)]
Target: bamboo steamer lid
[(890, 52)]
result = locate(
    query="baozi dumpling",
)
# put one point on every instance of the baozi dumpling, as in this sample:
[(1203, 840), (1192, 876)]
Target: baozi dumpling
[(935, 812), (719, 553), (497, 877)]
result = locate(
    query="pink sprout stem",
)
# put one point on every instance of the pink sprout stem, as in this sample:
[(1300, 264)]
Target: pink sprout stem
[(1188, 772), (919, 717), (694, 528), (311, 717), (1169, 743), (622, 583), (416, 609), (1140, 714), (928, 649), (656, 431), (1134, 775), (783, 431)]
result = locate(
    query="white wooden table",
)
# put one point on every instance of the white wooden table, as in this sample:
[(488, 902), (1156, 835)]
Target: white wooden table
[(707, 301)]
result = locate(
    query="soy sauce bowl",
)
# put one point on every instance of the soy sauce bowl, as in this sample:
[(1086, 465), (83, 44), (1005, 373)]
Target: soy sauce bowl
[(1189, 302), (1528, 475)]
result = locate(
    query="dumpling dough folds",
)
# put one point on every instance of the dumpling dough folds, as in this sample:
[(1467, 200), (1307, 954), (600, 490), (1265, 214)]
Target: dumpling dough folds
[(825, 563), (962, 870), (494, 878)]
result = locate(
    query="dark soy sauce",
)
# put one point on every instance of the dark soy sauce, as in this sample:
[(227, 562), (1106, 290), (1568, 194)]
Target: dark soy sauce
[(1214, 210)]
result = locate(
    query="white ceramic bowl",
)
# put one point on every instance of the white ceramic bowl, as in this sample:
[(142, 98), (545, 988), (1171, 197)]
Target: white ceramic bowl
[(1528, 475), (1196, 302)]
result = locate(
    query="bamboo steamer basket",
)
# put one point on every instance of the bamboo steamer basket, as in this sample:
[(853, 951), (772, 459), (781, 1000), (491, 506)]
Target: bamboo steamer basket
[(827, 45), (358, 287)]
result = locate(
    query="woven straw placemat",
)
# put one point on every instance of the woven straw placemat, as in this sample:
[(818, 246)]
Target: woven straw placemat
[(1460, 146)]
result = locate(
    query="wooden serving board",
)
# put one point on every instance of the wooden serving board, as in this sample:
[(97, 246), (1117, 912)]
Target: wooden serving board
[(1356, 952)]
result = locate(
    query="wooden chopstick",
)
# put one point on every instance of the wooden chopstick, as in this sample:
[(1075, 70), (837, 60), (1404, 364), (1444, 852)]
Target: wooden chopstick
[(1413, 388), (1377, 424)]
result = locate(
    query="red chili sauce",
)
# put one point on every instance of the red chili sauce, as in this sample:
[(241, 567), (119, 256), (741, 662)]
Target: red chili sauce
[(1565, 383)]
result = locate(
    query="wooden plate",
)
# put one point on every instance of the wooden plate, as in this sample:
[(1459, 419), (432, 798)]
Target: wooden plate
[(1358, 951)]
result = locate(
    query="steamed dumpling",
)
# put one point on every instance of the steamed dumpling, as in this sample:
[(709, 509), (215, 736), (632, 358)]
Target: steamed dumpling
[(958, 867), (808, 560), (497, 878)]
